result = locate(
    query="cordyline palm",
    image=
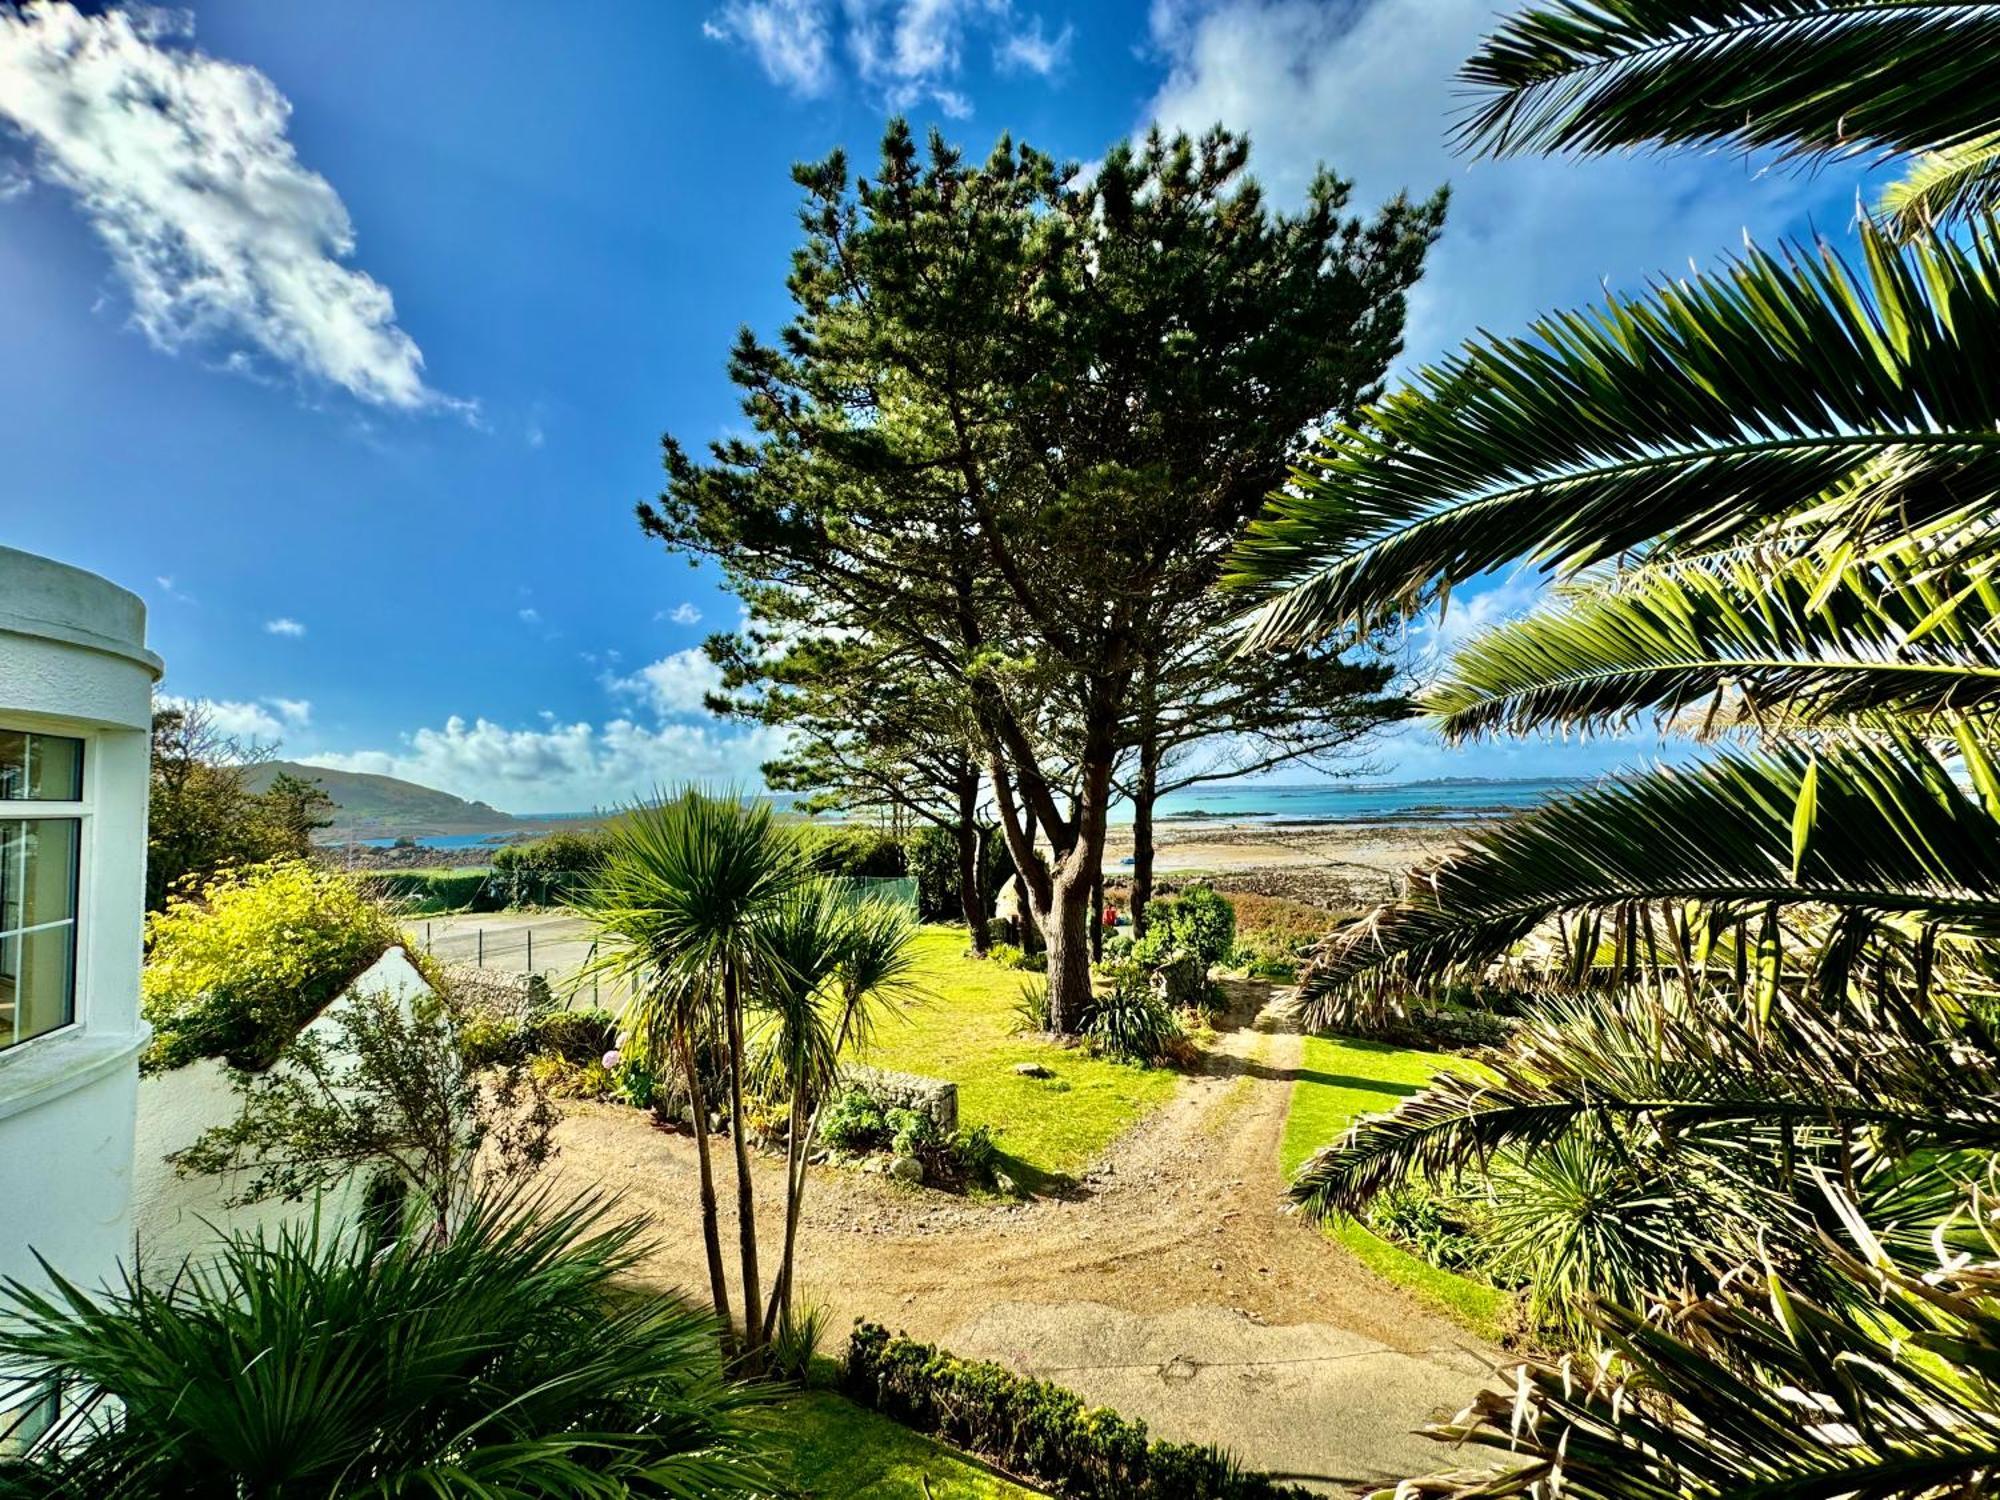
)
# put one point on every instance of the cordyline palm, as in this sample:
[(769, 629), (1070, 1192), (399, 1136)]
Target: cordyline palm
[(1812, 79), (684, 906), (835, 963)]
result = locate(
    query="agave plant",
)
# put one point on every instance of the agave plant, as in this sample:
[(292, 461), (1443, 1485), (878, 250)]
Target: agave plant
[(501, 1363)]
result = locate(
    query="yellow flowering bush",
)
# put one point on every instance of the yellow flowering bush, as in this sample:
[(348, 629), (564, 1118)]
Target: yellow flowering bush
[(237, 969)]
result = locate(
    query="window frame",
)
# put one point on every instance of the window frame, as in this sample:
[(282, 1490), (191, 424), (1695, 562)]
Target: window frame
[(77, 812)]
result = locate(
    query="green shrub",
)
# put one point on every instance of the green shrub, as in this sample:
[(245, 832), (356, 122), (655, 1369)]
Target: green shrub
[(1038, 1430), (1433, 1227), (1032, 1006), (550, 870), (563, 1078), (1007, 956), (509, 1357), (931, 855), (426, 892), (853, 852), (1199, 921), (575, 1036), (1130, 1022), (236, 972), (854, 1122)]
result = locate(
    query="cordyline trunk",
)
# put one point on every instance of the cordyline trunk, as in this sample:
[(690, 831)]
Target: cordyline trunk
[(1145, 793), (711, 1231), (971, 900), (805, 1118), (746, 1201)]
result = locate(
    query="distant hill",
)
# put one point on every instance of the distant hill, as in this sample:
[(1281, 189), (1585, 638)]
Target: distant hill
[(384, 806)]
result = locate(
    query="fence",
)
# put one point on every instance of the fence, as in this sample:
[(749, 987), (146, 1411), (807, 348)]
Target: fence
[(901, 889)]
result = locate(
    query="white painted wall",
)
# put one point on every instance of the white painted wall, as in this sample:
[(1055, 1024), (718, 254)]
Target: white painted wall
[(73, 661), (177, 1218)]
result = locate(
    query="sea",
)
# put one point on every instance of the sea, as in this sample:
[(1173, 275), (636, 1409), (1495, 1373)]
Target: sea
[(1443, 800)]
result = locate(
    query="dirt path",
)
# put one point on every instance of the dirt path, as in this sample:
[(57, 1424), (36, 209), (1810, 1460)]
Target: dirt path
[(1168, 1286)]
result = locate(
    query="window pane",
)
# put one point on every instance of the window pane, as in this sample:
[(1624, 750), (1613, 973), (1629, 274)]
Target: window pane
[(35, 982), (38, 868), (37, 871), (40, 767)]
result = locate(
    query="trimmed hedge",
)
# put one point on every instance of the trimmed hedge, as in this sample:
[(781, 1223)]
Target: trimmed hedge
[(420, 892), (839, 849), (1038, 1430)]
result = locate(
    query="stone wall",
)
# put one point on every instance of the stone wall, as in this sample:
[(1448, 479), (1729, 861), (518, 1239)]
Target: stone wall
[(927, 1096)]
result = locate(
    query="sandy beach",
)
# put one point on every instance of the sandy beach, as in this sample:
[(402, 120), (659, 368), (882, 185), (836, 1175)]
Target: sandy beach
[(1341, 865)]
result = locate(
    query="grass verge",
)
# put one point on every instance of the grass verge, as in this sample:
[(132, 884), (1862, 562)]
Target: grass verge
[(840, 1450), (1339, 1079), (968, 1032)]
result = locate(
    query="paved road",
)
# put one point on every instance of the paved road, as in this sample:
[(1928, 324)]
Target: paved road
[(519, 942)]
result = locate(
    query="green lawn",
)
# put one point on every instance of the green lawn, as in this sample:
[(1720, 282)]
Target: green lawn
[(967, 1031), (841, 1450), (1339, 1079)]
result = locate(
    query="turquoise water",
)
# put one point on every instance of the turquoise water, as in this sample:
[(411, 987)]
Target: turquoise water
[(1357, 802), (1325, 802)]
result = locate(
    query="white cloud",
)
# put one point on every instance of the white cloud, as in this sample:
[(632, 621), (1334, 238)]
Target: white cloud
[(530, 616), (1369, 89), (788, 38), (682, 614), (903, 52), (672, 685), (284, 625), (1032, 50), (565, 767), (224, 240), (263, 720)]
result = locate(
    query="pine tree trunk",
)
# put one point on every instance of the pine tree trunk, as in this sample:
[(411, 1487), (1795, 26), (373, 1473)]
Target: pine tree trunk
[(1067, 929), (1097, 916), (1144, 794), (970, 898)]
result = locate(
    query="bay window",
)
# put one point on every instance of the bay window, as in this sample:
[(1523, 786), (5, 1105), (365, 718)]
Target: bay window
[(40, 858)]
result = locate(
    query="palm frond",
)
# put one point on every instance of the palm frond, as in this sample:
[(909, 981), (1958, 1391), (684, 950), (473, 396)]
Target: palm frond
[(1891, 835), (1685, 419), (1944, 187), (1811, 78), (1710, 1082), (1888, 1391), (1810, 641)]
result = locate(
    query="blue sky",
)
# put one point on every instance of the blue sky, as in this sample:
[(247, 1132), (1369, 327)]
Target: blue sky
[(346, 334)]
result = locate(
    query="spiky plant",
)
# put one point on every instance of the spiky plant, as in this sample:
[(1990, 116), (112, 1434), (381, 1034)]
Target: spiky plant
[(1808, 79), (498, 1364), (1761, 1390)]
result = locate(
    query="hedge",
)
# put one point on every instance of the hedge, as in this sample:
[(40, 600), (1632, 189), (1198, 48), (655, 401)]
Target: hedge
[(423, 891), (840, 849), (1039, 1431)]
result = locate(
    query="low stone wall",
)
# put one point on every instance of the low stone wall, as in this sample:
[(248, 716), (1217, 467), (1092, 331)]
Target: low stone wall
[(498, 992), (927, 1096)]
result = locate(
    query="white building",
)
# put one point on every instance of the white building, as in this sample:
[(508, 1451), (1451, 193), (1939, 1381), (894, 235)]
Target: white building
[(76, 685)]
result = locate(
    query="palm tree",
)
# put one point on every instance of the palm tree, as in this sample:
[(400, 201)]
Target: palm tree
[(840, 964), (684, 907), (1812, 79), (1758, 1390), (711, 908), (501, 1363), (1769, 492)]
